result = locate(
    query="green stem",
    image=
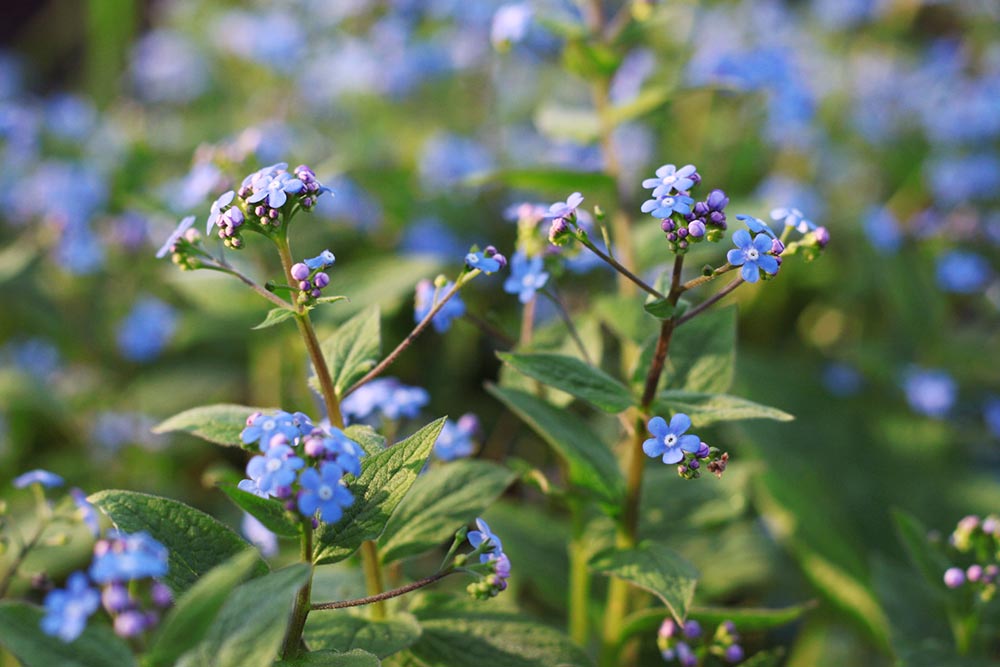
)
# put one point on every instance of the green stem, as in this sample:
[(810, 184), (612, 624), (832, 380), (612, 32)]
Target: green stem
[(373, 578), (621, 269), (292, 643), (709, 302), (579, 579), (387, 595), (964, 630), (701, 280)]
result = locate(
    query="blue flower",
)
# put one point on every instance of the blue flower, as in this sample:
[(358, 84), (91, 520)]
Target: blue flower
[(455, 440), (387, 396), (67, 611), (258, 535), (275, 188), (752, 255), (224, 200), (175, 237), (323, 492), (321, 261), (510, 24), (146, 330), (565, 209), (962, 272), (670, 441), (756, 225), (477, 537), (792, 217), (87, 512), (334, 445), (424, 303), (479, 260), (665, 206), (526, 276), (842, 380), (669, 179), (39, 476), (124, 557), (275, 469), (930, 392), (883, 230), (261, 428)]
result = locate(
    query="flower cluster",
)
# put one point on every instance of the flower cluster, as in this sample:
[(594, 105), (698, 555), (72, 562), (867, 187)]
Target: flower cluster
[(563, 215), (683, 221), (674, 444), (311, 275), (121, 579), (301, 464), (427, 296), (491, 554), (978, 538), (384, 398), (487, 260), (681, 643), (180, 243), (456, 438)]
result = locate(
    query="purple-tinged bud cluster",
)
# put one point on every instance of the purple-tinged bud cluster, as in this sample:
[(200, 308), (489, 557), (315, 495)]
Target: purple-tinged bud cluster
[(707, 219), (705, 458), (301, 464), (564, 217), (494, 565), (311, 187), (979, 538), (487, 260), (178, 245), (311, 277), (684, 643), (456, 438), (673, 205)]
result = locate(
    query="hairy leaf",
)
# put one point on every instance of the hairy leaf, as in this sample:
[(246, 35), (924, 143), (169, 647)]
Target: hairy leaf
[(342, 631), (269, 511), (221, 423), (705, 409), (352, 350), (657, 569)]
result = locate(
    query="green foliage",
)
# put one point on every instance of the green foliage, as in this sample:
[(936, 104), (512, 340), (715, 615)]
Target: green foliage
[(365, 435), (746, 619), (275, 316), (385, 479), (196, 541), (352, 350), (703, 353), (343, 631), (706, 409), (268, 511), (356, 658), (21, 634), (655, 568), (440, 502), (930, 562), (220, 424), (575, 377), (556, 182), (591, 464)]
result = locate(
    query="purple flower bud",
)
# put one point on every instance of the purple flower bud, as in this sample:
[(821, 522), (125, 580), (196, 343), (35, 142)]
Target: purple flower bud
[(672, 236), (291, 505), (315, 294), (300, 271), (990, 573), (259, 211), (468, 423), (502, 259), (696, 229), (102, 547), (682, 232), (667, 225), (734, 653), (314, 447), (717, 200), (557, 229), (777, 247), (696, 177), (991, 526), (161, 594), (700, 210), (692, 629), (974, 572), (822, 236), (667, 629), (717, 218), (702, 452), (305, 285), (272, 213), (729, 627), (315, 523), (693, 464), (685, 656), (321, 280), (954, 577), (682, 245), (490, 250), (130, 623), (115, 598), (283, 492)]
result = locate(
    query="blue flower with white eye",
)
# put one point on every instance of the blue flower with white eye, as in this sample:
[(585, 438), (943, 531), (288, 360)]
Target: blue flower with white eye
[(479, 260), (125, 557), (792, 217), (669, 179), (175, 237), (526, 276), (224, 200), (565, 209), (261, 428), (322, 492), (67, 610), (334, 445), (274, 470), (424, 302), (321, 261), (664, 207), (275, 188), (756, 225), (455, 440), (751, 254), (39, 476), (477, 537), (669, 440)]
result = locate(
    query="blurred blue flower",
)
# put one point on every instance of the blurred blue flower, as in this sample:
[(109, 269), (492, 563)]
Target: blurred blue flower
[(669, 440), (636, 67), (385, 397), (424, 302), (67, 610), (991, 415), (526, 276), (882, 230), (193, 188), (962, 272), (146, 330), (126, 557), (565, 209), (274, 470), (38, 476), (455, 440), (273, 38), (261, 428), (259, 536), (447, 160), (956, 180), (792, 217), (352, 204), (430, 236), (510, 24), (80, 251), (930, 392), (479, 260), (70, 117), (167, 67), (477, 537), (323, 492), (841, 379), (841, 14), (751, 254), (87, 512), (34, 356)]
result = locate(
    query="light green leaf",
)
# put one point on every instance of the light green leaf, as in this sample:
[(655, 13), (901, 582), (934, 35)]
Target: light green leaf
[(356, 658), (275, 316), (592, 466), (196, 541), (186, 623), (554, 182), (705, 409), (661, 309), (575, 377), (21, 634), (221, 423), (331, 299), (655, 568), (646, 101), (352, 350), (702, 353), (367, 437), (341, 631), (385, 479), (747, 619), (560, 122), (440, 502), (251, 624), (269, 511)]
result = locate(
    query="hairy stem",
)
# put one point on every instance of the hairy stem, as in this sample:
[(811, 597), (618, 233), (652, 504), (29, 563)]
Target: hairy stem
[(225, 267), (292, 643), (373, 578), (622, 270), (528, 322), (709, 302), (701, 280), (387, 595)]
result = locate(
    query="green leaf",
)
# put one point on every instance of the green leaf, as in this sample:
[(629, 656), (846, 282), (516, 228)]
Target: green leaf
[(196, 541), (251, 624), (705, 409), (268, 511), (913, 535), (592, 466), (557, 121), (467, 633), (356, 658), (221, 423), (366, 436), (646, 101), (352, 350), (747, 619), (661, 309), (342, 632), (331, 299), (556, 182), (275, 316), (575, 377), (655, 568), (385, 479), (21, 634), (702, 353), (186, 623), (440, 502)]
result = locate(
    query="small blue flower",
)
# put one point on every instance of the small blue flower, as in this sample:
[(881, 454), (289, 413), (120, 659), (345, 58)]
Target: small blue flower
[(67, 611), (669, 179), (479, 260), (756, 225), (334, 445), (388, 397), (670, 441), (259, 536), (510, 24), (455, 440), (275, 469), (275, 188), (261, 428), (424, 303), (126, 557), (321, 261), (883, 230), (526, 276), (87, 512), (792, 217), (664, 207), (930, 392), (224, 200), (39, 476), (322, 491), (146, 330), (477, 537), (962, 272), (565, 209), (175, 237), (752, 255)]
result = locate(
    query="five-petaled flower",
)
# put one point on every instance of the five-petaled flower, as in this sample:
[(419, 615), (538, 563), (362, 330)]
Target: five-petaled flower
[(477, 537), (526, 276), (664, 207), (275, 188), (275, 469), (566, 209), (669, 179), (752, 255), (479, 260), (669, 440), (323, 492)]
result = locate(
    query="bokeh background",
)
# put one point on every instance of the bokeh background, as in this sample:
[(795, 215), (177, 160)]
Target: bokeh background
[(879, 119)]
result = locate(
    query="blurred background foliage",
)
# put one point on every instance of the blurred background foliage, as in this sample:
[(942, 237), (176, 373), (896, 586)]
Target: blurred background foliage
[(880, 119)]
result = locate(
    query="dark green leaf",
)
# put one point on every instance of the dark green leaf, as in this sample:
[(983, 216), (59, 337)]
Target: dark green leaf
[(275, 316), (356, 658), (592, 466), (661, 309), (365, 435), (196, 541), (702, 353), (705, 409), (385, 479), (929, 562), (575, 377), (655, 568), (556, 182), (440, 502), (21, 634), (341, 631), (352, 350), (186, 623), (221, 423), (269, 511)]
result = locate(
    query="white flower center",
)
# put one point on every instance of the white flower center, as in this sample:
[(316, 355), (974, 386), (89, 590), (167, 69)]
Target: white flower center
[(268, 425), (753, 254), (669, 202), (667, 180), (325, 492), (273, 465), (670, 440)]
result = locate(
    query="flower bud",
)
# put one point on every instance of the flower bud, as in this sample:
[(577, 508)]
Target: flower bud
[(954, 577), (300, 271)]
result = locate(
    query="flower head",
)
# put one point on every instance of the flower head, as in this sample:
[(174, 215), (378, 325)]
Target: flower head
[(218, 206), (67, 610), (477, 537), (38, 476), (334, 445), (179, 233), (321, 261), (930, 392), (323, 492), (125, 557), (387, 396), (565, 209), (669, 179), (274, 470), (261, 428), (526, 276), (752, 255), (670, 441)]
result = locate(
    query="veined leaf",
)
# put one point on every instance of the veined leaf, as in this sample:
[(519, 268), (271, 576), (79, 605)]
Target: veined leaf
[(221, 423), (655, 568), (269, 511), (705, 409), (342, 631), (352, 350), (21, 634), (575, 377)]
